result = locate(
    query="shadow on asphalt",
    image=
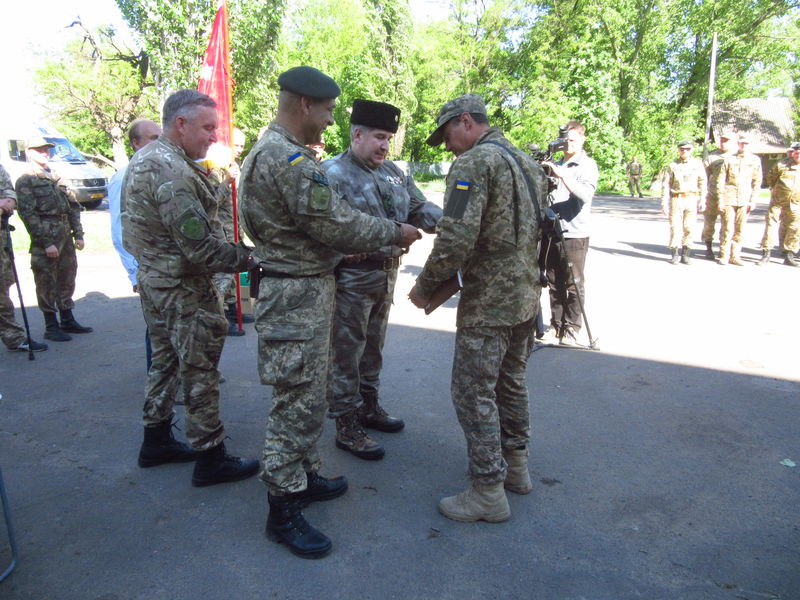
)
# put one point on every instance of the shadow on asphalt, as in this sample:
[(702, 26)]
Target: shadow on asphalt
[(652, 480)]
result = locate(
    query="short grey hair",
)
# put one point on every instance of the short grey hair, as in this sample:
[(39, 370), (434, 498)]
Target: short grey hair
[(356, 126), (183, 103)]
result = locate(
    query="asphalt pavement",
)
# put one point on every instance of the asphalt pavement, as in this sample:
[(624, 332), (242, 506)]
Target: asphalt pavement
[(662, 463)]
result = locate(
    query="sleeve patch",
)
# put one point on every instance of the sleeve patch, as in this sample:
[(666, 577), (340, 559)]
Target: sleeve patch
[(458, 200), (295, 158), (320, 197), (191, 226)]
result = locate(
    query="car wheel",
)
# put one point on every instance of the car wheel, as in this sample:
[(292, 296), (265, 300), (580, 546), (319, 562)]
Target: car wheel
[(92, 204)]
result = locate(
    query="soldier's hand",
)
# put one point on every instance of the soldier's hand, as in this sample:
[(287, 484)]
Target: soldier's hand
[(79, 244), (416, 299), (51, 251), (408, 235), (232, 173), (7, 206)]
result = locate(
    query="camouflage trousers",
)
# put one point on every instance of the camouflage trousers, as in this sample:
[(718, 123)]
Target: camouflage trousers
[(682, 215), (226, 286), (360, 319), (788, 215), (10, 332), (187, 332), (710, 216), (490, 394), (55, 278), (734, 219), (634, 184), (293, 321)]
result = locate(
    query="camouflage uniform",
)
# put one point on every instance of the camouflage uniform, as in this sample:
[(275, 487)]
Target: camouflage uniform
[(737, 183), (222, 215), (300, 229), (10, 332), (52, 217), (166, 198), (784, 206), (634, 171), (684, 185), (713, 165), (364, 290), (490, 232)]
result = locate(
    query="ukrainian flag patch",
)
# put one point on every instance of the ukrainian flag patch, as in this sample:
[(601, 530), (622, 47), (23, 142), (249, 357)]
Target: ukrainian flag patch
[(462, 185), (455, 203), (295, 158)]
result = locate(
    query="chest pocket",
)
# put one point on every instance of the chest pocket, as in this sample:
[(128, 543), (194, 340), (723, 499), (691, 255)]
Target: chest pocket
[(49, 200)]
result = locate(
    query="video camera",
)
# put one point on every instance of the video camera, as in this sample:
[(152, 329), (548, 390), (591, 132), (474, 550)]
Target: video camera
[(557, 145)]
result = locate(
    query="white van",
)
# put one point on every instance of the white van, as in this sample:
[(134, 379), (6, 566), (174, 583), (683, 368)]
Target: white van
[(87, 181)]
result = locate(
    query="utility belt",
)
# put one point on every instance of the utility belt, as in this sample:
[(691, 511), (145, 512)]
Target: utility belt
[(257, 272), (389, 263)]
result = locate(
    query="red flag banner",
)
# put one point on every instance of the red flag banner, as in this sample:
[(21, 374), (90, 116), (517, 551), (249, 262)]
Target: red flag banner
[(215, 76)]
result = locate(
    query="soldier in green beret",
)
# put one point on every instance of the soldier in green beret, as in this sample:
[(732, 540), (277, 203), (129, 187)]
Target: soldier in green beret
[(301, 229)]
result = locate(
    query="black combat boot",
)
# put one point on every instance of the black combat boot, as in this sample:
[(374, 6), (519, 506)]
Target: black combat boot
[(790, 259), (709, 252), (217, 466), (675, 258), (287, 525), (764, 258), (70, 325), (321, 488), (52, 330), (371, 414), (160, 447), (686, 255)]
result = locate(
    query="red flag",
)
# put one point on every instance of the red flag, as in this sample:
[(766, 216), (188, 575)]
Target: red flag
[(215, 76)]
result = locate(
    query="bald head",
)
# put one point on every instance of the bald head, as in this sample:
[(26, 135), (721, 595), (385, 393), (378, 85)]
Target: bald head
[(142, 132)]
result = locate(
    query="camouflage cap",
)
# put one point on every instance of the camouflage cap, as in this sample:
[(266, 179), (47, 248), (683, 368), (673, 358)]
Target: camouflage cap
[(309, 82), (794, 146), (727, 135), (685, 144), (744, 138), (468, 103), (37, 141)]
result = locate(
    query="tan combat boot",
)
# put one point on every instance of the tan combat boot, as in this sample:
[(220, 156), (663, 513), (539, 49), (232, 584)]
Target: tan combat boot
[(477, 503), (350, 436), (518, 480)]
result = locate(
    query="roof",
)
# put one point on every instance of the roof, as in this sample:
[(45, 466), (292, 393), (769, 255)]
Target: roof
[(768, 122)]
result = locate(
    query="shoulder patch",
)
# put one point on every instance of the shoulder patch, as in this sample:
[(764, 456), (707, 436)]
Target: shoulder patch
[(191, 225), (458, 199), (295, 158)]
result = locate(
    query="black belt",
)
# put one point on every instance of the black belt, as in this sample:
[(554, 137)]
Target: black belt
[(279, 275), (373, 264)]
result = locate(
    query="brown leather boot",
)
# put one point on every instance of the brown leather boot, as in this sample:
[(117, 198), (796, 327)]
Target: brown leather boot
[(350, 436)]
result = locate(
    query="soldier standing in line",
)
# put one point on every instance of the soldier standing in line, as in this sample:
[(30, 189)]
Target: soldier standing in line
[(301, 230), (634, 171), (713, 165), (13, 336), (784, 207), (52, 217), (490, 233), (365, 284), (683, 194), (738, 182), (166, 198)]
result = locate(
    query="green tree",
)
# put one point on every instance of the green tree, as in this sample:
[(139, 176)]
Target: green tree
[(96, 90)]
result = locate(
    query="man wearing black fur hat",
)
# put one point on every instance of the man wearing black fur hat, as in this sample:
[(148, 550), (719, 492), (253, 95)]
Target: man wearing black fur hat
[(365, 282)]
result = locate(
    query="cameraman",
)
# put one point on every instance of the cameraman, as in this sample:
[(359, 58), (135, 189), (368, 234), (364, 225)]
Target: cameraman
[(576, 176)]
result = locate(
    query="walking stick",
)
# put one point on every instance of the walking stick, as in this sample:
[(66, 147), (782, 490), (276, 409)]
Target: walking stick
[(10, 249)]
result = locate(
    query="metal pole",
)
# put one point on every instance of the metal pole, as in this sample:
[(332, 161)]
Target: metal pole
[(712, 78)]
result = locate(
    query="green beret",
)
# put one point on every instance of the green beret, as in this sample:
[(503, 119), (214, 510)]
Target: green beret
[(308, 81), (375, 114)]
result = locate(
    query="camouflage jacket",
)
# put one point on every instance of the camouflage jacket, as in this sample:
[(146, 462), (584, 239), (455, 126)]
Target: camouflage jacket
[(224, 210), (491, 233), (713, 164), (166, 200), (784, 179), (6, 188), (634, 169), (50, 213), (298, 224), (383, 192), (739, 179), (684, 178)]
